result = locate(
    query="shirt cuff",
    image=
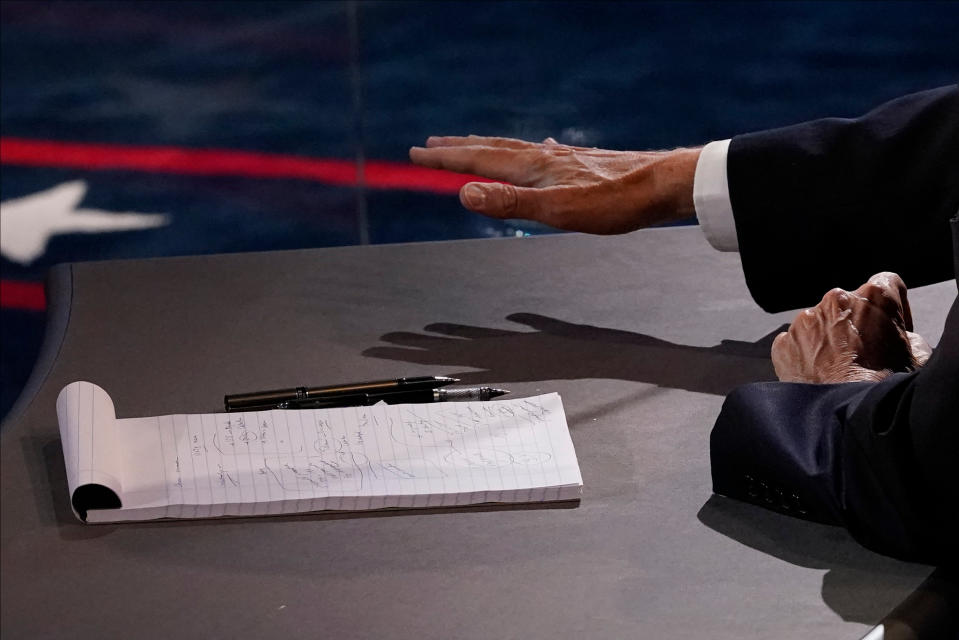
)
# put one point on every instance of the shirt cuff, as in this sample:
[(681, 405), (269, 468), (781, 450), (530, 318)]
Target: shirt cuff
[(711, 197)]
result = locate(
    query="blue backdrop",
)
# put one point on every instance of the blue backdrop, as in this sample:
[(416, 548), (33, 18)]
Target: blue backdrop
[(334, 84)]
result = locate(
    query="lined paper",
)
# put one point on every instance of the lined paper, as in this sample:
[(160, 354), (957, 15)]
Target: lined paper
[(355, 458)]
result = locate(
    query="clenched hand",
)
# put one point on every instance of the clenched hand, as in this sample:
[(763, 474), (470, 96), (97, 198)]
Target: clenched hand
[(862, 335), (572, 188)]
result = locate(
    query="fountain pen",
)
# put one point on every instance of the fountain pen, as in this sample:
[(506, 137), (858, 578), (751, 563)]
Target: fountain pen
[(276, 397), (393, 397)]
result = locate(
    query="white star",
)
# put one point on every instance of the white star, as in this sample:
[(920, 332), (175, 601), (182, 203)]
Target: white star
[(27, 223)]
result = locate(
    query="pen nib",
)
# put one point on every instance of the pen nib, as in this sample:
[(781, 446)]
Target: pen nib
[(471, 393)]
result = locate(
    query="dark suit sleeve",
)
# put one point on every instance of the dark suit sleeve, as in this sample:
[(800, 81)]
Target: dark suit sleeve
[(828, 203), (825, 204), (877, 458)]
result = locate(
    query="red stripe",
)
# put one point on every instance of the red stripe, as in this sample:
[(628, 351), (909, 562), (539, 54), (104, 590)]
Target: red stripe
[(225, 162), (22, 295)]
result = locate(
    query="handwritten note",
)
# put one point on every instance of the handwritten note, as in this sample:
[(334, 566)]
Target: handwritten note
[(272, 462)]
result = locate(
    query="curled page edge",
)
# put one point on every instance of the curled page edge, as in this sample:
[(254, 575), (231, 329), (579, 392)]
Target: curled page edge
[(87, 420)]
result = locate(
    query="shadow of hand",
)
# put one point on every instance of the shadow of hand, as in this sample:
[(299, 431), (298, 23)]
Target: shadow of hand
[(558, 350)]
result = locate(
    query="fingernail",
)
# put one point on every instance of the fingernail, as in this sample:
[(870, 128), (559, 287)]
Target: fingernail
[(475, 196)]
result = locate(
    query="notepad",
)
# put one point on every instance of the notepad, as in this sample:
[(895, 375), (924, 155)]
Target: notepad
[(260, 463)]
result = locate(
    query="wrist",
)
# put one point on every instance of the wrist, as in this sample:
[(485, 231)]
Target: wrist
[(674, 177)]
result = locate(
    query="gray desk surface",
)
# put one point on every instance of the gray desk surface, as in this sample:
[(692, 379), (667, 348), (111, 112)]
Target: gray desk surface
[(641, 335)]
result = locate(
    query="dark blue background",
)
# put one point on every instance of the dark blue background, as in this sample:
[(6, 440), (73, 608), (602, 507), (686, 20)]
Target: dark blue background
[(348, 80)]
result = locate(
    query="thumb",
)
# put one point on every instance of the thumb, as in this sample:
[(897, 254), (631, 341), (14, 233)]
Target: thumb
[(498, 200)]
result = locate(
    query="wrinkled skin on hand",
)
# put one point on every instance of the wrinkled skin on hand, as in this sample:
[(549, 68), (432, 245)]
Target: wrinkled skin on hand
[(573, 188), (862, 335)]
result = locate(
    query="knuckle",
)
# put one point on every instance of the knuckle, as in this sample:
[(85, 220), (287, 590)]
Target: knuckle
[(887, 278), (510, 200), (884, 296), (875, 289), (886, 283), (802, 320), (836, 296)]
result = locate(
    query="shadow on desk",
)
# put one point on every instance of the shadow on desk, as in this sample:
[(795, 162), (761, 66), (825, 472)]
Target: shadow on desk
[(558, 350), (859, 585)]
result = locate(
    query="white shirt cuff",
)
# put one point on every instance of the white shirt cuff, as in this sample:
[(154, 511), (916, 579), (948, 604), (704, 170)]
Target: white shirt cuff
[(711, 197)]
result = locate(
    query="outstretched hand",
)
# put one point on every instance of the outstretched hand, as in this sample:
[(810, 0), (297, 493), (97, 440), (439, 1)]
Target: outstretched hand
[(573, 188), (863, 335)]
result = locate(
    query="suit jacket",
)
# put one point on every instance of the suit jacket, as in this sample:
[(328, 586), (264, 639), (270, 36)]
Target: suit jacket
[(824, 204)]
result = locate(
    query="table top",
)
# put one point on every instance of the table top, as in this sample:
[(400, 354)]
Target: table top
[(642, 335)]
